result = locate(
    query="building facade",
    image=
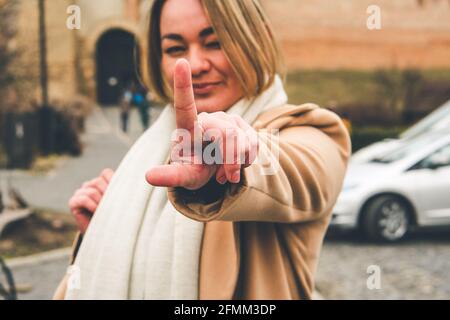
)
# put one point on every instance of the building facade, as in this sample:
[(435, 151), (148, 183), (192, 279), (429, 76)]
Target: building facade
[(105, 53)]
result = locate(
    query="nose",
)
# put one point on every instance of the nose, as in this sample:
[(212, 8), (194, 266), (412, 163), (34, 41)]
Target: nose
[(199, 62)]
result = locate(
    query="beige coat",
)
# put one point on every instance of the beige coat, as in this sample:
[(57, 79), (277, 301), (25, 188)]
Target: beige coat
[(263, 236)]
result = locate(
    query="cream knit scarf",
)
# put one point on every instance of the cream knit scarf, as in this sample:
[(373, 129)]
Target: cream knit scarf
[(137, 245)]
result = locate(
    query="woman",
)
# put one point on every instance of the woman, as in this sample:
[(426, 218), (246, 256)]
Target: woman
[(228, 229)]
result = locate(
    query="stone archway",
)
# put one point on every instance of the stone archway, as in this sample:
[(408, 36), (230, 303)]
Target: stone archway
[(116, 64)]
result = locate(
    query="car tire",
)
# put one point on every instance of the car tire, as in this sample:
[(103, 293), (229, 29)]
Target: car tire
[(386, 218)]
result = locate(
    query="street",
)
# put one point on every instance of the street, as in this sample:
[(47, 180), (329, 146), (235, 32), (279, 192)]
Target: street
[(414, 269)]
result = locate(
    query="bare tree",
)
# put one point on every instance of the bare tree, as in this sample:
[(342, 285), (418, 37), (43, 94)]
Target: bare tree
[(43, 52)]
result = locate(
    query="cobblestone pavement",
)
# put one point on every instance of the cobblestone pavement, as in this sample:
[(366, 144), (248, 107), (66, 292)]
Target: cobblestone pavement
[(418, 268)]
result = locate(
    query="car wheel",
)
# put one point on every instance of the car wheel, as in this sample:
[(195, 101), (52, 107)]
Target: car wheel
[(386, 218)]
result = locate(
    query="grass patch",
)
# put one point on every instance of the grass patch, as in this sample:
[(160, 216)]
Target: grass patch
[(42, 231), (330, 87), (42, 165)]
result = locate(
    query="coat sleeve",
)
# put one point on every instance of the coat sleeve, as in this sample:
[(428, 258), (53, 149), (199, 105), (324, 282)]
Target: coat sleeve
[(308, 163)]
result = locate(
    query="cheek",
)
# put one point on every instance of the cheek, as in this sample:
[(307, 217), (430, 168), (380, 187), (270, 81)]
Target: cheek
[(224, 66), (227, 70)]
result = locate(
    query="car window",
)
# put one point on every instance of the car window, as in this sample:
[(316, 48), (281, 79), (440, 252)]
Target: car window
[(442, 155), (406, 150), (435, 120)]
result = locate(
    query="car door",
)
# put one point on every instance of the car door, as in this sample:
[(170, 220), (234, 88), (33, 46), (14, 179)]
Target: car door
[(430, 186)]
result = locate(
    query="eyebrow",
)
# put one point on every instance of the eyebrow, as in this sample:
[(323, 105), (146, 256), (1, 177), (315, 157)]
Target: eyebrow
[(206, 32), (202, 34)]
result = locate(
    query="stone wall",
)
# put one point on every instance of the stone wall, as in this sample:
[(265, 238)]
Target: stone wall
[(332, 34)]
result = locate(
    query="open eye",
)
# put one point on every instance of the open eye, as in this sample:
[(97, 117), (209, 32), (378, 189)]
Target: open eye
[(174, 50), (213, 45)]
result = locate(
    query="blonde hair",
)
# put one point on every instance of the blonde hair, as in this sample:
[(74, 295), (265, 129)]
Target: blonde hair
[(246, 37)]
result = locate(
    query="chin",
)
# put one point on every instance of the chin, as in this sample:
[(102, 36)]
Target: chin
[(216, 102), (210, 104)]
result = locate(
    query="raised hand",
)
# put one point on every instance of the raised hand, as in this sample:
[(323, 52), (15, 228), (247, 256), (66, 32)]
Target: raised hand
[(236, 140)]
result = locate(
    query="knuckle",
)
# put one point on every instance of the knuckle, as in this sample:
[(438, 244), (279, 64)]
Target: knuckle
[(235, 117), (81, 199), (98, 183), (230, 132), (231, 168), (91, 192)]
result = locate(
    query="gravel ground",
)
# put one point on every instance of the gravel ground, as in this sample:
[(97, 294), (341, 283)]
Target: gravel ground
[(417, 268)]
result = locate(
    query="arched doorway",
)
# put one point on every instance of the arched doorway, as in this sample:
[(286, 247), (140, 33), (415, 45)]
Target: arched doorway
[(117, 64)]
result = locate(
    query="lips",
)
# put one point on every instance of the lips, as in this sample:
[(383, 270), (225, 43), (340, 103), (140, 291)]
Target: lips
[(205, 87)]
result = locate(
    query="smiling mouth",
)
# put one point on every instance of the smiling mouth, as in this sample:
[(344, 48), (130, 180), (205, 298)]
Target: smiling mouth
[(205, 84), (204, 88)]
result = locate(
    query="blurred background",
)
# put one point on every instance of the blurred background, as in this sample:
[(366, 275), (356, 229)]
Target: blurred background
[(72, 103)]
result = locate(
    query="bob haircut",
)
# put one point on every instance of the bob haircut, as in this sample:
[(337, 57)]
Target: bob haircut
[(246, 37)]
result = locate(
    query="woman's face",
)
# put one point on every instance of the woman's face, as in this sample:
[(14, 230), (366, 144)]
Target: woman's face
[(187, 33)]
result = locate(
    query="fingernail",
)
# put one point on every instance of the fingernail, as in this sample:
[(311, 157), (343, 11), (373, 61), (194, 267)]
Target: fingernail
[(236, 176), (222, 179)]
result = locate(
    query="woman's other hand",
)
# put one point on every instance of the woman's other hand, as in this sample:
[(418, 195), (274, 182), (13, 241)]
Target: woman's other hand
[(86, 199)]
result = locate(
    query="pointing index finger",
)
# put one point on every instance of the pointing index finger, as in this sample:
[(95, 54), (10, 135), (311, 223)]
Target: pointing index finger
[(186, 111)]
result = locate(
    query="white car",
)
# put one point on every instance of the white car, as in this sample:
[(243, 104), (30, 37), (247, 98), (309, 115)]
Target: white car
[(439, 119), (389, 195)]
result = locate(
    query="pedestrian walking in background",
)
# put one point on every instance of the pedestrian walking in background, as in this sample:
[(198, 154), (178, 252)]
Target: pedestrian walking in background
[(125, 107), (143, 105)]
